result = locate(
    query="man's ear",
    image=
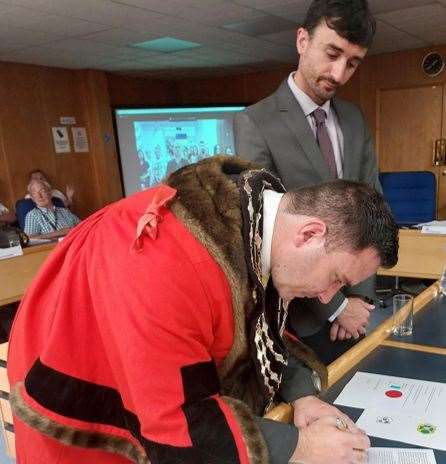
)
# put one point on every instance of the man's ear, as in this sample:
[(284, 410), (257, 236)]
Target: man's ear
[(312, 230), (302, 39)]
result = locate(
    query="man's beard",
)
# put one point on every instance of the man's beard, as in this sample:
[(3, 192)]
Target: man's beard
[(334, 85)]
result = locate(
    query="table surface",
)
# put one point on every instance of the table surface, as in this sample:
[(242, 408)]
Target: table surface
[(398, 362), (16, 273), (420, 255), (422, 356)]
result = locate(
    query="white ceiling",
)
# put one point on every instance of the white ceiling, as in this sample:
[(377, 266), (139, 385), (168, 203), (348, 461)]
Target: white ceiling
[(97, 34)]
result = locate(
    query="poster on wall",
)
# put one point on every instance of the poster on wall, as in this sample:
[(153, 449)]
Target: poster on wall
[(80, 139), (61, 141)]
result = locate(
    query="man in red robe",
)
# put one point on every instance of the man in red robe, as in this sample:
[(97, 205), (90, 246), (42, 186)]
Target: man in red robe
[(155, 332)]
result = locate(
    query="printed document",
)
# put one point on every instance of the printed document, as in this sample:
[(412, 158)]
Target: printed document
[(394, 394), (426, 431), (400, 456)]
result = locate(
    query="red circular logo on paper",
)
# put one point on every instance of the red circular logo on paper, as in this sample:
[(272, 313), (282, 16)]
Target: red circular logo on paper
[(393, 393)]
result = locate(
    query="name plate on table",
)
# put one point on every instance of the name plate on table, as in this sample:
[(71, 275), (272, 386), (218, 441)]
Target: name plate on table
[(433, 227), (11, 252)]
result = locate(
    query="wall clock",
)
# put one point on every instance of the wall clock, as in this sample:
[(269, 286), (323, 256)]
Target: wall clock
[(433, 64)]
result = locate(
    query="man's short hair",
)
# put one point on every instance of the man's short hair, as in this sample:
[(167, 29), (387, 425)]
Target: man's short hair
[(351, 19), (356, 216)]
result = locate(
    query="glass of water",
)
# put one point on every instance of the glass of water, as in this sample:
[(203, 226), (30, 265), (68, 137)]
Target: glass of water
[(442, 281), (402, 315)]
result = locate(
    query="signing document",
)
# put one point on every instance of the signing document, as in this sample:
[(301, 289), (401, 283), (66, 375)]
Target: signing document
[(397, 408)]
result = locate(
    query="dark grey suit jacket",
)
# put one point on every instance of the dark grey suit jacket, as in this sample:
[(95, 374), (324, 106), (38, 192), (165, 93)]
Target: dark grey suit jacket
[(275, 133)]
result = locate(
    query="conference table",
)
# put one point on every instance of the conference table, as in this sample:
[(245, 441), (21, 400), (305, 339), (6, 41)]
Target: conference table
[(421, 356), (17, 272), (420, 255)]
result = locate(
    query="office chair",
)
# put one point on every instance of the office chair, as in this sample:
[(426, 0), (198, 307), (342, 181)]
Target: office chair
[(25, 205), (412, 197)]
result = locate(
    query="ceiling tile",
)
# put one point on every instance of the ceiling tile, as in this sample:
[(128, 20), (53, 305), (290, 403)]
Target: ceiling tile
[(293, 11), (166, 45), (262, 25), (19, 37), (80, 46), (45, 22), (170, 7), (97, 33), (283, 38), (261, 4), (383, 6), (219, 14), (416, 21), (390, 39), (120, 37)]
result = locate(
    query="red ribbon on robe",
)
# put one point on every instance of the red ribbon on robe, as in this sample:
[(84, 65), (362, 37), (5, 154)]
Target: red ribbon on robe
[(149, 221)]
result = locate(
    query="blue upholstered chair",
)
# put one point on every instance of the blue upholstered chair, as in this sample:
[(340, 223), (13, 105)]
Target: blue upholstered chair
[(412, 196), (25, 205)]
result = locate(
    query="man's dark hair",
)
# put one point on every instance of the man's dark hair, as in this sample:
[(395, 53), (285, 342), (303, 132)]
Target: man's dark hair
[(351, 19), (356, 216)]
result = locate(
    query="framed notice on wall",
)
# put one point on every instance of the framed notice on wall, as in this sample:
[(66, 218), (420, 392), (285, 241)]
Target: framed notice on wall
[(80, 139), (61, 140)]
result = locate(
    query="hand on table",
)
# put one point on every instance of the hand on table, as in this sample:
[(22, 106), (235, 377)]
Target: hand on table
[(352, 322), (310, 408), (322, 442)]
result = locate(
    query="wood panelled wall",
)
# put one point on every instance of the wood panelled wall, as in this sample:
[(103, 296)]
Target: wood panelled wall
[(32, 100), (245, 88), (393, 71)]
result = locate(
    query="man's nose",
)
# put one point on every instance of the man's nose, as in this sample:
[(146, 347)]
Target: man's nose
[(338, 71)]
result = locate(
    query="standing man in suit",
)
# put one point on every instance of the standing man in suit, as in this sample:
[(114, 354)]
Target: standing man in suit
[(306, 136)]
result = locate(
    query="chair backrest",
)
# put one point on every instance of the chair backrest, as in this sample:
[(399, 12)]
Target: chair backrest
[(25, 205), (411, 196)]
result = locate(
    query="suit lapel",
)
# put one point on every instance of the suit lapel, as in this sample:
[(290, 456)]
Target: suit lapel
[(294, 118), (348, 160)]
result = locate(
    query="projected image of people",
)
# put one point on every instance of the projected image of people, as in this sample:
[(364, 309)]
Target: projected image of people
[(165, 146)]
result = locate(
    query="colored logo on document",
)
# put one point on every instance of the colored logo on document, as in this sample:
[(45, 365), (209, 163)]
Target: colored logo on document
[(426, 429), (384, 420), (393, 393)]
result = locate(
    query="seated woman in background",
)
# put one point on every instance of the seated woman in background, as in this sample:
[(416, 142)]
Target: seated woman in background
[(6, 216), (38, 174), (47, 220)]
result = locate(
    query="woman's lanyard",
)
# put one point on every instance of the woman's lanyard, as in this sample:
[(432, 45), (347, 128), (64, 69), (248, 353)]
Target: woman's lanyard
[(48, 220)]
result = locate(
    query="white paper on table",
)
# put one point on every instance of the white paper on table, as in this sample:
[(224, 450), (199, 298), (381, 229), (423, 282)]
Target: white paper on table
[(400, 456), (11, 252), (38, 241), (426, 431), (394, 394)]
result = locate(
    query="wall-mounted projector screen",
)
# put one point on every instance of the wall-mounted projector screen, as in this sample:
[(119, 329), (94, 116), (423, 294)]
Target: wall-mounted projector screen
[(153, 142)]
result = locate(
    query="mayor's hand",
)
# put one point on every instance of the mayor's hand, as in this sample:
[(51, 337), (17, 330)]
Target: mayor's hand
[(323, 442), (352, 321), (310, 408)]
